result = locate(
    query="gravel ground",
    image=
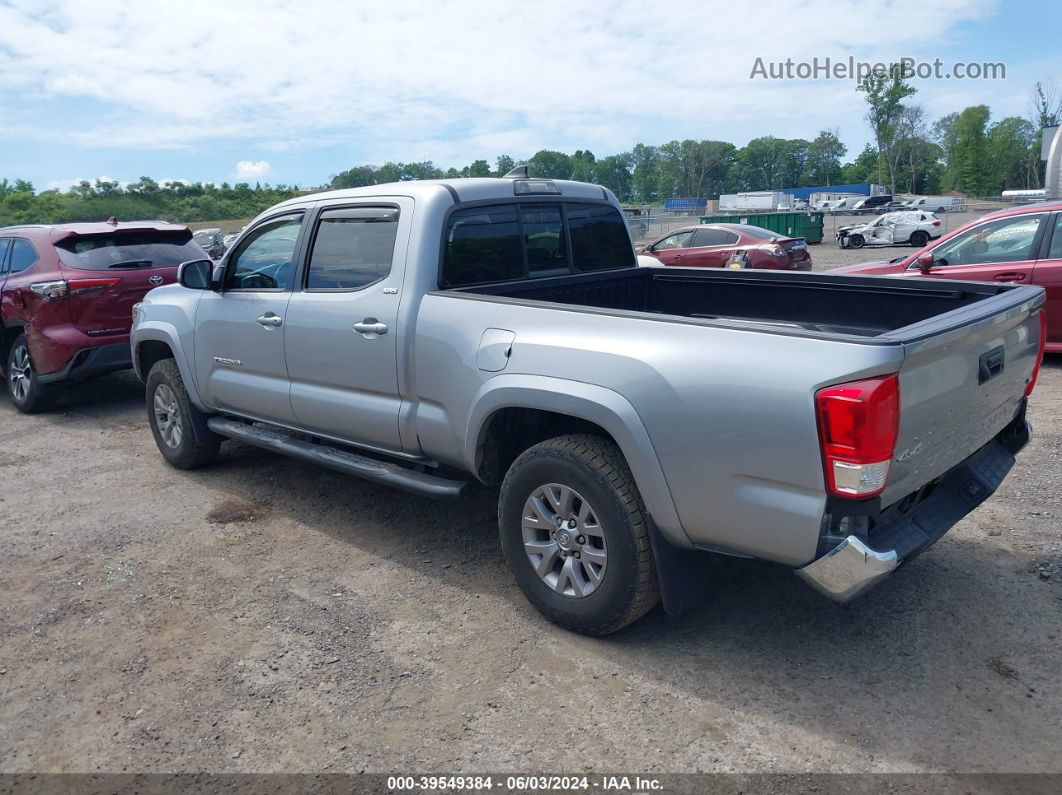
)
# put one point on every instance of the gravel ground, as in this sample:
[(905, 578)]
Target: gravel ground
[(265, 615)]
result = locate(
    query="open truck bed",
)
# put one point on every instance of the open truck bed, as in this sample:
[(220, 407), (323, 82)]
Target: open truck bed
[(859, 308)]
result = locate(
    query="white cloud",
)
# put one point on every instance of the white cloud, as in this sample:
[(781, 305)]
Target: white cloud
[(463, 79), (252, 169)]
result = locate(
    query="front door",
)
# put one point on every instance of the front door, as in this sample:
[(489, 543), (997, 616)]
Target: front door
[(672, 249), (239, 340), (342, 323), (1002, 250)]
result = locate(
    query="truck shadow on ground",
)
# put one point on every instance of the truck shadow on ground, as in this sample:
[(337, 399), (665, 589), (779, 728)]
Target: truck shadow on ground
[(936, 648)]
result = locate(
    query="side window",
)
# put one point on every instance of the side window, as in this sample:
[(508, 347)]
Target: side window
[(678, 240), (353, 248), (714, 237), (600, 239), (5, 243), (1055, 251), (1003, 240), (265, 258), (482, 245), (544, 240), (23, 254)]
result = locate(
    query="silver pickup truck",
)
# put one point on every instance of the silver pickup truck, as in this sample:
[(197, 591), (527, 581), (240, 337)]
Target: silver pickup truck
[(423, 334)]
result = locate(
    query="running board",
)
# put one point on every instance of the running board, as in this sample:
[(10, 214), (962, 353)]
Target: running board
[(361, 466)]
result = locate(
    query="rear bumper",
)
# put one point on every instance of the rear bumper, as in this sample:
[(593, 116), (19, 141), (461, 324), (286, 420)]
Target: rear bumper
[(904, 530), (90, 362)]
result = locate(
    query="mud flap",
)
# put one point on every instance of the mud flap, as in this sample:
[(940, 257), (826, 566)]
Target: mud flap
[(682, 574)]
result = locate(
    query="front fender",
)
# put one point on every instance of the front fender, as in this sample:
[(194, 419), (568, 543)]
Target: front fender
[(595, 404), (162, 331)]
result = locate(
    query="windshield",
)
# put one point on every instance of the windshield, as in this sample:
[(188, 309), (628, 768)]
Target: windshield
[(121, 250)]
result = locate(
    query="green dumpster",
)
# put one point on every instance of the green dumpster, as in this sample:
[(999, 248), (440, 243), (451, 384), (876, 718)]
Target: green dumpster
[(805, 225)]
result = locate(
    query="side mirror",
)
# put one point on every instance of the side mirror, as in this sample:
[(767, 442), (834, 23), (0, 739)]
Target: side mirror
[(195, 274), (925, 262)]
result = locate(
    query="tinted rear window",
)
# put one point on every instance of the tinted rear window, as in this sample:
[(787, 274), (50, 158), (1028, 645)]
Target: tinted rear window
[(760, 232), (128, 250), (483, 245), (600, 240)]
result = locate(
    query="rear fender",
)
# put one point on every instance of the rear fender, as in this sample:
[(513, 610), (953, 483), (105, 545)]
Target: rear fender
[(595, 404)]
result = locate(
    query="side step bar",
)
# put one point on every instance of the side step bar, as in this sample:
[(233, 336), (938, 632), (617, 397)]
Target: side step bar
[(361, 466)]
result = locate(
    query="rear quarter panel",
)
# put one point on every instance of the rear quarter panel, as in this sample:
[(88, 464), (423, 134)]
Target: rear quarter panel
[(730, 413)]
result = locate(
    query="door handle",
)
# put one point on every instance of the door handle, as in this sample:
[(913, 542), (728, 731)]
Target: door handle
[(1009, 276), (370, 325), (269, 320)]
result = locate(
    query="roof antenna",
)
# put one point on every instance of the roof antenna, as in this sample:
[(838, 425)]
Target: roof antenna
[(112, 221), (520, 172)]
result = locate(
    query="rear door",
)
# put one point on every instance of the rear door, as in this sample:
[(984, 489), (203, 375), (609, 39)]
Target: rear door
[(342, 331), (710, 247), (1002, 250), (106, 274), (239, 332), (1048, 274)]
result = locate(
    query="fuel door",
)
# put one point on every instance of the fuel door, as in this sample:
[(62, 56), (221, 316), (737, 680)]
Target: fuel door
[(494, 349)]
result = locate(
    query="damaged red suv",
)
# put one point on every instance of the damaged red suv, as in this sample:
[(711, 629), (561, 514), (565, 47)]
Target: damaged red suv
[(66, 299)]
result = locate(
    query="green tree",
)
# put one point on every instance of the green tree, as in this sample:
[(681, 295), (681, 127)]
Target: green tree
[(550, 164), (885, 92), (583, 163), (824, 158), (969, 170), (505, 164)]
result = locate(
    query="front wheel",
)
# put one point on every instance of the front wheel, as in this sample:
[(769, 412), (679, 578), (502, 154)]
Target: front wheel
[(27, 393), (170, 414), (856, 241), (573, 530)]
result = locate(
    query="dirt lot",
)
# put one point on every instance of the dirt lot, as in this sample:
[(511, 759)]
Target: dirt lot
[(266, 615)]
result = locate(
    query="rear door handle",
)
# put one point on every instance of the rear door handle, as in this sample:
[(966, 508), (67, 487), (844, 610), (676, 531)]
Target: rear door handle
[(269, 320), (370, 325), (1009, 276)]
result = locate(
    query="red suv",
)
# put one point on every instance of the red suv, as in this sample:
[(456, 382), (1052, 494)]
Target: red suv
[(1021, 245), (67, 295)]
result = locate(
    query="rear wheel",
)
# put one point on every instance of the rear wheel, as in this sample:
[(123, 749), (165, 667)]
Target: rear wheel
[(856, 241), (919, 239), (27, 393), (170, 414), (573, 530)]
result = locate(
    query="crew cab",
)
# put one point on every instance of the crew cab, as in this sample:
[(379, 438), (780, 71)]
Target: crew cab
[(66, 297), (425, 334)]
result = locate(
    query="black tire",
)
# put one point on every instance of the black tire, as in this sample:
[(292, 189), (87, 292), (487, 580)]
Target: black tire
[(596, 469), (855, 241), (27, 393), (183, 450), (919, 239)]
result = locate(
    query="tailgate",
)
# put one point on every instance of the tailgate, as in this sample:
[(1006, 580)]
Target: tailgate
[(961, 383)]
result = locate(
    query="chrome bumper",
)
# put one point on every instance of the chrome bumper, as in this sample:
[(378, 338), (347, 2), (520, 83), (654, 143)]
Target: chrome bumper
[(849, 569)]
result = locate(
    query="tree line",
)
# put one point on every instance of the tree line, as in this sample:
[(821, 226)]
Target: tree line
[(966, 151)]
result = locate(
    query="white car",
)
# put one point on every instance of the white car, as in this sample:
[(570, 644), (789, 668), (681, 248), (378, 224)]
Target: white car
[(914, 227)]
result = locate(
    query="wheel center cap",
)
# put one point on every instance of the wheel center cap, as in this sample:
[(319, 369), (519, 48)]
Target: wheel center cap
[(565, 540)]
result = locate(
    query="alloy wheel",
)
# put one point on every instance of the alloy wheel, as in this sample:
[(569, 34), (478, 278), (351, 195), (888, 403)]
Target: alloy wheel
[(167, 415), (564, 540), (21, 372)]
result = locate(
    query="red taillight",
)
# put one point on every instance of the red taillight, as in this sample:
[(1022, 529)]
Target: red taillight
[(1039, 354), (936, 223), (80, 285), (858, 425)]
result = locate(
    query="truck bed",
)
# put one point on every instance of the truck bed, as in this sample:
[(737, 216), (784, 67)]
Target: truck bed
[(870, 309)]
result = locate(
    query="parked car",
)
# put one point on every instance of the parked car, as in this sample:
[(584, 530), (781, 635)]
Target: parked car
[(912, 227), (211, 241), (938, 204), (67, 294), (630, 416), (728, 245), (229, 240), (1019, 245), (871, 205)]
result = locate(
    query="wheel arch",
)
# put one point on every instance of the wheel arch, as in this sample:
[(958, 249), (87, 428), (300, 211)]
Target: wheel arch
[(513, 412), (154, 341)]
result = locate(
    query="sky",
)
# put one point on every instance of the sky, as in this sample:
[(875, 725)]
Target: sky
[(295, 92)]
